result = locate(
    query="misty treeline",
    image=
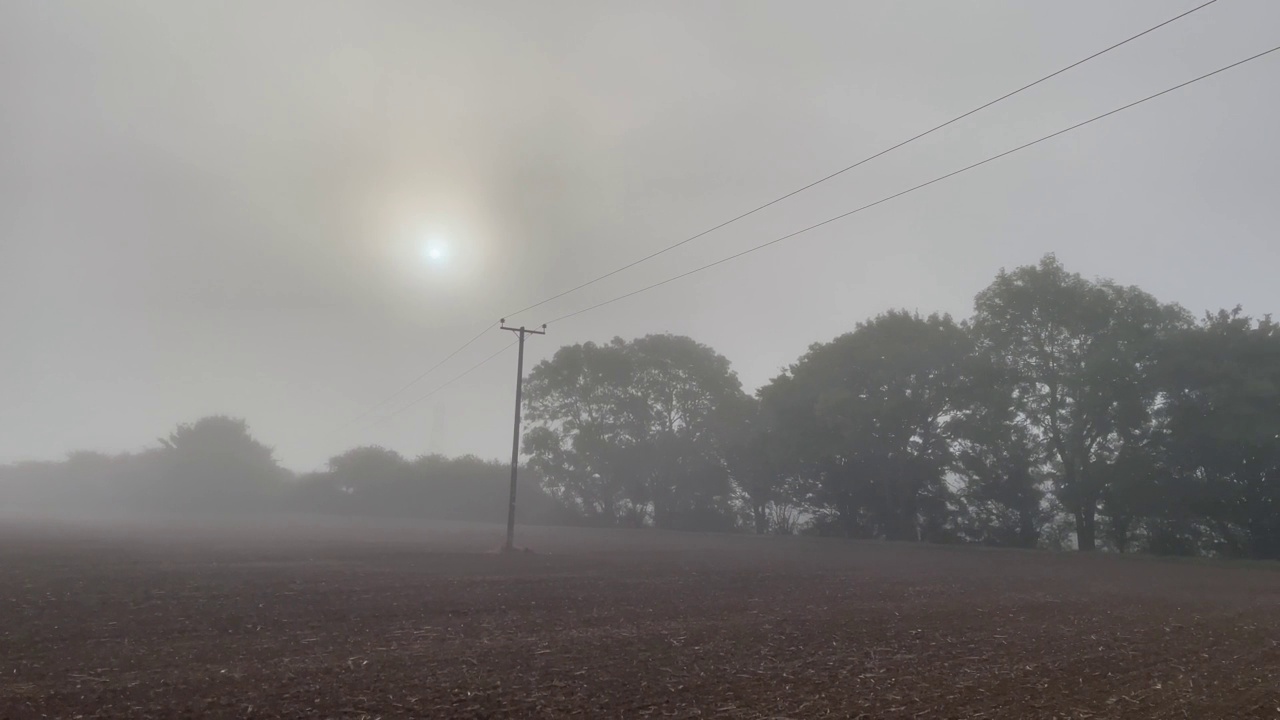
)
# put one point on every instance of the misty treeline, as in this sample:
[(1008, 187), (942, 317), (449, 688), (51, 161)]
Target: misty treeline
[(1064, 410), (215, 467)]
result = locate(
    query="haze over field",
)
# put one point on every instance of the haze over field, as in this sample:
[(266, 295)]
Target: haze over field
[(284, 211), (877, 359)]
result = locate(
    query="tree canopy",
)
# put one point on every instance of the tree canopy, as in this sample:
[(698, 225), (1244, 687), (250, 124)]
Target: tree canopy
[(632, 432)]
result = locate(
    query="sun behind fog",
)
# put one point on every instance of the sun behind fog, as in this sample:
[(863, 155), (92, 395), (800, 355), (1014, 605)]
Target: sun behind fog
[(436, 252)]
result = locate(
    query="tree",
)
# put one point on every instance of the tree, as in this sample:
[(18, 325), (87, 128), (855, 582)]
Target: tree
[(863, 418), (1131, 487), (1077, 356), (585, 422), (995, 457), (215, 464), (1222, 384), (687, 394), (631, 431), (747, 445), (369, 478)]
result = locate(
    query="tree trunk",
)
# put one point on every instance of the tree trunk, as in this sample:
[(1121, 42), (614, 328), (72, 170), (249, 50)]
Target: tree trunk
[(847, 521), (1028, 535), (1086, 528), (1120, 533), (761, 518)]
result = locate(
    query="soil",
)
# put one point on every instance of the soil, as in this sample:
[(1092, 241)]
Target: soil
[(289, 618)]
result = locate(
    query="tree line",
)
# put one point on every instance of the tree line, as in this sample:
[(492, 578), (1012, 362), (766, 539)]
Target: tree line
[(216, 467), (1065, 412)]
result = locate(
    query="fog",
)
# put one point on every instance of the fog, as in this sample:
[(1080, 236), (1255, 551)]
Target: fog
[(218, 208), (278, 216)]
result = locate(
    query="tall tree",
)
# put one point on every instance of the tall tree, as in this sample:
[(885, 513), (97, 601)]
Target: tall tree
[(1223, 403), (631, 430), (583, 439), (864, 419), (1078, 358)]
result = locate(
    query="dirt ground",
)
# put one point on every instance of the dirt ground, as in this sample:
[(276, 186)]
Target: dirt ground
[(305, 618)]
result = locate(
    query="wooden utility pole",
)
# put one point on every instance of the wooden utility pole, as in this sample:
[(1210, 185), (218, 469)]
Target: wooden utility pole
[(515, 437)]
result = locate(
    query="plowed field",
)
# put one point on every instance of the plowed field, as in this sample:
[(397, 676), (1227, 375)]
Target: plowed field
[(293, 618)]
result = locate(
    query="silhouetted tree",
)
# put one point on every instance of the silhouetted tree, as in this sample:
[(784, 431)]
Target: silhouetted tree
[(215, 464), (628, 431), (585, 423), (1078, 357), (1222, 381), (865, 417)]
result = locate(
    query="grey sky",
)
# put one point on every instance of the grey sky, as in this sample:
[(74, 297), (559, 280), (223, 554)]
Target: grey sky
[(219, 206)]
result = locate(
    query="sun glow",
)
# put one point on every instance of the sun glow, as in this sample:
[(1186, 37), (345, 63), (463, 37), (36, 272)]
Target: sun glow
[(436, 252)]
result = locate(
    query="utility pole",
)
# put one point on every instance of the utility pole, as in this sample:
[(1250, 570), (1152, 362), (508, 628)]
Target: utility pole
[(515, 437)]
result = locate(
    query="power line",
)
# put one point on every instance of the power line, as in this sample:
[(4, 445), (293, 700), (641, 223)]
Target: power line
[(775, 201), (912, 189), (446, 384), (867, 159), (417, 379)]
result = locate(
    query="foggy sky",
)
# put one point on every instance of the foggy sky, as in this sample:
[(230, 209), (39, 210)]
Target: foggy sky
[(218, 207)]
